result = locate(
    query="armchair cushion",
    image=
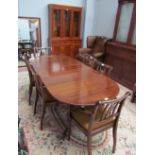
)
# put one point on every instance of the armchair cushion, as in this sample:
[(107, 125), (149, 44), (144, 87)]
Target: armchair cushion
[(99, 45), (91, 41)]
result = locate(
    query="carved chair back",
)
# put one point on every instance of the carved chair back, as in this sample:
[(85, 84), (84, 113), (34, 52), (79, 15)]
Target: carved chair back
[(103, 68), (39, 86), (94, 63), (31, 77), (38, 51), (107, 112)]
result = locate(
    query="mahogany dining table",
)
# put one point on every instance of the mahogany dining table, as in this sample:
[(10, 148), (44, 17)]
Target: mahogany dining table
[(72, 82)]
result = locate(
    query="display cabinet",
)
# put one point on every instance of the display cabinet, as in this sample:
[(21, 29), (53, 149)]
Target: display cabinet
[(121, 51), (65, 29)]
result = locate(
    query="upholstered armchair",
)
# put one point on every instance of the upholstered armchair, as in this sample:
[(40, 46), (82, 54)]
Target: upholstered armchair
[(96, 46)]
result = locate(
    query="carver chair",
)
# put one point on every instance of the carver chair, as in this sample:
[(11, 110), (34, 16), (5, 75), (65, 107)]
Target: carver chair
[(103, 68), (103, 116), (42, 92), (31, 76), (95, 64)]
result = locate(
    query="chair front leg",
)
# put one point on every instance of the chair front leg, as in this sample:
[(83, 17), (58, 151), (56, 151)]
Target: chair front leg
[(69, 125), (89, 138), (43, 113), (114, 138), (30, 93), (36, 101)]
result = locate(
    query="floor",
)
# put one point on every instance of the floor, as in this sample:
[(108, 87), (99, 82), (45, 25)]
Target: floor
[(47, 141)]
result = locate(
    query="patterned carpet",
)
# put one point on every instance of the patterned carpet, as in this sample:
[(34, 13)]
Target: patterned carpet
[(47, 141)]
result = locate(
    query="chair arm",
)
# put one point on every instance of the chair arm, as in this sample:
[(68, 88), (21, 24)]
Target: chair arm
[(85, 50)]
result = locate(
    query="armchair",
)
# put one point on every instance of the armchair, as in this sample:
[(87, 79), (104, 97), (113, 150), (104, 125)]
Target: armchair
[(96, 46)]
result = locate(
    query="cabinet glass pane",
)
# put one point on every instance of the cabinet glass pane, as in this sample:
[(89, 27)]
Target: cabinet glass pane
[(134, 37), (67, 22), (76, 25), (56, 23), (124, 22)]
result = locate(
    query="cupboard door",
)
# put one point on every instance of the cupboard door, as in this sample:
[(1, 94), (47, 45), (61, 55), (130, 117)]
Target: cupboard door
[(76, 23), (67, 22), (56, 48), (64, 29), (56, 22), (124, 22)]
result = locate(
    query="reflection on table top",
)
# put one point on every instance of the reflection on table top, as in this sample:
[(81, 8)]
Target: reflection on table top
[(72, 82)]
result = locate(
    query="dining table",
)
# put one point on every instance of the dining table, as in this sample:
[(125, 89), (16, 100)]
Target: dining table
[(73, 83)]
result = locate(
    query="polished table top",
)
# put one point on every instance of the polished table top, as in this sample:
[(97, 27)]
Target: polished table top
[(72, 82)]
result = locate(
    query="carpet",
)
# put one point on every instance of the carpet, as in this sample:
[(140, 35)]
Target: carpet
[(47, 141), (21, 63)]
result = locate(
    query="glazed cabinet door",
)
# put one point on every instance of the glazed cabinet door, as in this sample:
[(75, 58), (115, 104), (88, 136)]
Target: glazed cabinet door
[(66, 22), (76, 23), (56, 23), (64, 29)]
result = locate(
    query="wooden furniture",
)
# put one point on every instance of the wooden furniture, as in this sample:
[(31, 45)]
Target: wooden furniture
[(133, 98), (104, 115), (72, 82), (42, 92), (123, 58), (95, 64), (65, 29), (121, 51), (96, 46), (38, 51), (31, 77), (26, 47)]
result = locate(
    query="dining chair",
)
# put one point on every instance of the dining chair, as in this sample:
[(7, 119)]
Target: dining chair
[(95, 64), (103, 116), (31, 76), (103, 68), (26, 47), (47, 99), (87, 59), (133, 97), (38, 51)]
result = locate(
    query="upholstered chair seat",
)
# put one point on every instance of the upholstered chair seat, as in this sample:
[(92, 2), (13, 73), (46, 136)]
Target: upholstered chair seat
[(83, 119)]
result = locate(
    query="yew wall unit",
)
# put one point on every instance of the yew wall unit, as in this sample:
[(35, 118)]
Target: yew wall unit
[(121, 51), (65, 29)]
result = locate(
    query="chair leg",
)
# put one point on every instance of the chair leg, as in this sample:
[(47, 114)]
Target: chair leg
[(30, 93), (89, 144), (36, 101), (42, 117), (114, 138), (69, 129)]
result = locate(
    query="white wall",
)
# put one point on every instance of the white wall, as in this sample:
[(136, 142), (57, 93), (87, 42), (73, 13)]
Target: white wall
[(39, 8), (99, 17), (89, 20), (104, 18)]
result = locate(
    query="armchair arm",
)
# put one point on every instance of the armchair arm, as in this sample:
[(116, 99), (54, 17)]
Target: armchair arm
[(85, 50)]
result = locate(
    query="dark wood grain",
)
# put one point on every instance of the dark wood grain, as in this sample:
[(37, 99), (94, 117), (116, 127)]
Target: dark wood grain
[(72, 82), (63, 44), (123, 58)]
